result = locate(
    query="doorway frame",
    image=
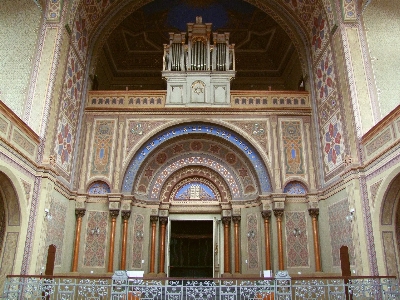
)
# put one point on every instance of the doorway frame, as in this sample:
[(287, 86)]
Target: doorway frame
[(217, 238)]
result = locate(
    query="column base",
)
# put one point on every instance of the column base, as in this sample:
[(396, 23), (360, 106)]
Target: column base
[(226, 275), (162, 275)]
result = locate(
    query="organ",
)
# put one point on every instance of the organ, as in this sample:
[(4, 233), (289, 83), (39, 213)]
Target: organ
[(198, 66)]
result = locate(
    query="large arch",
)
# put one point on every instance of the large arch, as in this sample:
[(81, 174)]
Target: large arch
[(13, 224), (386, 222), (239, 143)]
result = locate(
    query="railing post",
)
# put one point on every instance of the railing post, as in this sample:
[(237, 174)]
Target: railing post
[(119, 285), (283, 285)]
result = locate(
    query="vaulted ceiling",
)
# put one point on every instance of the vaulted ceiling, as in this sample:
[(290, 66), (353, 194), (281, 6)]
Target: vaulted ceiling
[(132, 55)]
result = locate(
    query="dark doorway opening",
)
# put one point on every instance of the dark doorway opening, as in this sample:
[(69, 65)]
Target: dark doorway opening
[(191, 249)]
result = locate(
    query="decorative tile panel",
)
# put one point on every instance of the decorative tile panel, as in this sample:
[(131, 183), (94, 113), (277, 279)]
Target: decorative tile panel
[(373, 189), (102, 148), (296, 245), (292, 148), (9, 252), (137, 245), (252, 242), (349, 10), (390, 253), (341, 233), (380, 141), (55, 228), (96, 244), (334, 148), (23, 142)]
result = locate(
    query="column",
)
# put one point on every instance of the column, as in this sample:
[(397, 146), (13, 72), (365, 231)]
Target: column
[(125, 217), (266, 214), (236, 221), (153, 221), (79, 213), (227, 260), (279, 215), (163, 224), (114, 214), (314, 212)]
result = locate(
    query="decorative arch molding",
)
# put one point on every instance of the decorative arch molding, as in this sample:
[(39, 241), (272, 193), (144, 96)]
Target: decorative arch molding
[(207, 162), (390, 200), (188, 173), (246, 149)]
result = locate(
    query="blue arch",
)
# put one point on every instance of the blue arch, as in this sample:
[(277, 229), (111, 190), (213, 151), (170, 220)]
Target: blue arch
[(204, 128)]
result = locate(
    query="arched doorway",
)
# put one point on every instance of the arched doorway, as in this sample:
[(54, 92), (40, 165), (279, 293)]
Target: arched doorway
[(390, 227), (10, 224)]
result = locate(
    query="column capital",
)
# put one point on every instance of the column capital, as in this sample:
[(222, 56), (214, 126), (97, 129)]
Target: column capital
[(114, 213), (125, 215), (266, 214), (79, 213), (153, 219), (236, 219), (314, 212), (226, 220), (163, 220), (278, 213)]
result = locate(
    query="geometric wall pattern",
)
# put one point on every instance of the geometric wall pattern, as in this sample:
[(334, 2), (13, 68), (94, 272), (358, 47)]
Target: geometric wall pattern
[(137, 245), (252, 244), (296, 244), (55, 228), (95, 242), (340, 231)]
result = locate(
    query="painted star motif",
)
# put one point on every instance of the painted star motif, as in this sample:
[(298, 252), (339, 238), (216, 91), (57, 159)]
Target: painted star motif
[(178, 148)]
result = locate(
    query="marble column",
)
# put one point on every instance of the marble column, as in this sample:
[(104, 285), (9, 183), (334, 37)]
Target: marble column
[(266, 214), (236, 222), (153, 221), (125, 218), (163, 225), (79, 213), (227, 260), (314, 212), (114, 214), (279, 215)]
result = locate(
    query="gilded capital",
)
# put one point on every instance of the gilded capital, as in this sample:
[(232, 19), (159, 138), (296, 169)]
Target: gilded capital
[(79, 213), (226, 220), (278, 213), (163, 220), (314, 212), (125, 215), (236, 219), (266, 214)]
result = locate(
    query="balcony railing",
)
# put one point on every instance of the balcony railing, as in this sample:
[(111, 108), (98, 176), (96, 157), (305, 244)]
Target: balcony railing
[(120, 286)]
